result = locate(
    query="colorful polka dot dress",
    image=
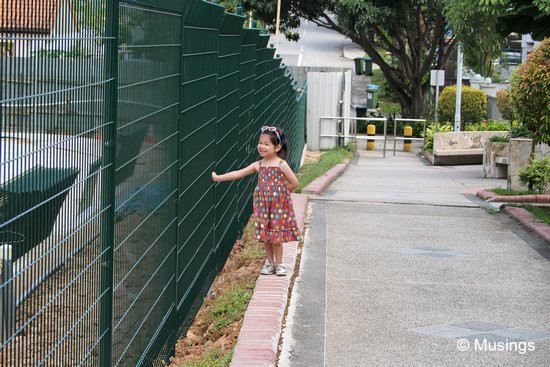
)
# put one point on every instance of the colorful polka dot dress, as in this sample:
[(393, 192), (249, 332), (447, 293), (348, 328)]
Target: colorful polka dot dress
[(274, 218)]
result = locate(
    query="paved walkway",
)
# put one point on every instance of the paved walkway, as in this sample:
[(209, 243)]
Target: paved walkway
[(400, 263)]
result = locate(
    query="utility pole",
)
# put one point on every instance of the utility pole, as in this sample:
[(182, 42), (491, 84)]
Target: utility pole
[(459, 60), (277, 23)]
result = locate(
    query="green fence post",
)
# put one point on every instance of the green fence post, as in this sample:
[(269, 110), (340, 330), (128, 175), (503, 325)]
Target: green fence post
[(108, 185)]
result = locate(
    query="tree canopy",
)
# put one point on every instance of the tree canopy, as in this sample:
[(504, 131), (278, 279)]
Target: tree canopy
[(415, 32), (521, 16), (475, 28)]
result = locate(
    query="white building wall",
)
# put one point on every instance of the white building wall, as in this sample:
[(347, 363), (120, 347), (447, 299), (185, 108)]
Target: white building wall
[(324, 95)]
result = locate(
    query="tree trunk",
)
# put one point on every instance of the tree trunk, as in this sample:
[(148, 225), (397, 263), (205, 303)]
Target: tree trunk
[(414, 107)]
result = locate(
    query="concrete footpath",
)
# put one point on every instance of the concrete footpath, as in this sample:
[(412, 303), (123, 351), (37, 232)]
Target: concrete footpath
[(402, 267)]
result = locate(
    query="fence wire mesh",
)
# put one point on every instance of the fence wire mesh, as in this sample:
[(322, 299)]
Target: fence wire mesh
[(113, 115)]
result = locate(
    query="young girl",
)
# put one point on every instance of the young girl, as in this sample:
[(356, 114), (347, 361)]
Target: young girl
[(274, 218)]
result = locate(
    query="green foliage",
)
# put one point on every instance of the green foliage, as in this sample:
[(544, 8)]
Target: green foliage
[(230, 307), (506, 192), (488, 126), (385, 93), (530, 93), (415, 32), (230, 5), (475, 29), (328, 159), (214, 358), (517, 130), (523, 17), (429, 137), (503, 104), (388, 108), (499, 139), (542, 213), (536, 175), (473, 107)]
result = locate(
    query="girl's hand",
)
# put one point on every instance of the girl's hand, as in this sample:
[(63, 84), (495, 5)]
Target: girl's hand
[(214, 177)]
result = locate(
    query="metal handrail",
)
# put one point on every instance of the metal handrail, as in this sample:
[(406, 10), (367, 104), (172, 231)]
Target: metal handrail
[(354, 129), (395, 137)]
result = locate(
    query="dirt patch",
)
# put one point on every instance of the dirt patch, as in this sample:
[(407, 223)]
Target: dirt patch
[(205, 334), (312, 157)]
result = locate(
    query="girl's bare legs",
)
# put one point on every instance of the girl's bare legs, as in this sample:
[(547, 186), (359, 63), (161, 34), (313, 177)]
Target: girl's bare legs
[(278, 252), (269, 253)]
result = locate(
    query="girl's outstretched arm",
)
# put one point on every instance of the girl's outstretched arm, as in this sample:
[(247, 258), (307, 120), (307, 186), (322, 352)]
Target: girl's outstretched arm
[(290, 176), (235, 175)]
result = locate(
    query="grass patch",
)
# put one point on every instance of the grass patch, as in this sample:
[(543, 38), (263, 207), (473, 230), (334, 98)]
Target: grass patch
[(328, 159), (506, 192), (542, 213), (214, 358), (230, 307), (210, 340)]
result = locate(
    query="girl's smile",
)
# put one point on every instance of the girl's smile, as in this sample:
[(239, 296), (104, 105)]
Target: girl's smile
[(266, 147)]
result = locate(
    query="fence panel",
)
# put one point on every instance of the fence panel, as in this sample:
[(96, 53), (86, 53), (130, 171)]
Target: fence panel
[(111, 229), (227, 130), (56, 94), (247, 134), (146, 178), (197, 149)]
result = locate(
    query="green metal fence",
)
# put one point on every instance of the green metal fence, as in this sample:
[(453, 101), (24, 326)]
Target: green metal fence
[(114, 114)]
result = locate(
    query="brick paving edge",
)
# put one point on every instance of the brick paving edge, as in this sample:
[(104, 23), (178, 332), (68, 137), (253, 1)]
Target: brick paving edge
[(491, 196), (258, 339), (529, 221)]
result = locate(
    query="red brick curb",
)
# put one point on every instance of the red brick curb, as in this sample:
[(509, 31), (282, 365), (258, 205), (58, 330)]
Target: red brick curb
[(259, 336), (488, 195), (529, 221), (317, 186)]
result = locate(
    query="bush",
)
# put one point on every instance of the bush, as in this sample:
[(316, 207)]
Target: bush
[(429, 138), (530, 92), (488, 126), (473, 105), (499, 139), (503, 104), (536, 175)]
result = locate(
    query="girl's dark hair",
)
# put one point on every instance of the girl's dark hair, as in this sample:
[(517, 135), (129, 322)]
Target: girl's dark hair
[(283, 153)]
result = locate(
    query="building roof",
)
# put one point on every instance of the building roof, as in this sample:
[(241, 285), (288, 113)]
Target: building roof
[(28, 16)]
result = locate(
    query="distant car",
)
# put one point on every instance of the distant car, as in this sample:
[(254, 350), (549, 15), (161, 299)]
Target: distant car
[(511, 56)]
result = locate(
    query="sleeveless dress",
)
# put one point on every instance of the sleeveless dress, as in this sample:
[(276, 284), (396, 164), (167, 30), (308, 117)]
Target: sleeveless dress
[(274, 218)]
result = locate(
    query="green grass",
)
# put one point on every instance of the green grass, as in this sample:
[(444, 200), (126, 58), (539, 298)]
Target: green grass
[(328, 159), (506, 192), (542, 213), (214, 358), (230, 306)]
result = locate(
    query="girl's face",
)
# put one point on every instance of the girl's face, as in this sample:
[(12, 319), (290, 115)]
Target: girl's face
[(266, 147)]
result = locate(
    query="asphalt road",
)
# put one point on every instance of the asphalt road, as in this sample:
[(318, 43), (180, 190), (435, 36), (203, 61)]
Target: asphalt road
[(317, 47)]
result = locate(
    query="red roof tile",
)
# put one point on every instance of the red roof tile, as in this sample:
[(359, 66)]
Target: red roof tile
[(28, 16)]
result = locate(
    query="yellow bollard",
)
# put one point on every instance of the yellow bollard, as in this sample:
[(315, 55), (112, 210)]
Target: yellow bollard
[(371, 131), (407, 143)]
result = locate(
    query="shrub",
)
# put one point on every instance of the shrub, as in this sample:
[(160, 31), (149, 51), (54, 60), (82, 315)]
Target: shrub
[(536, 175), (517, 130), (503, 104), (499, 139), (473, 105), (488, 126), (429, 138), (530, 92)]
